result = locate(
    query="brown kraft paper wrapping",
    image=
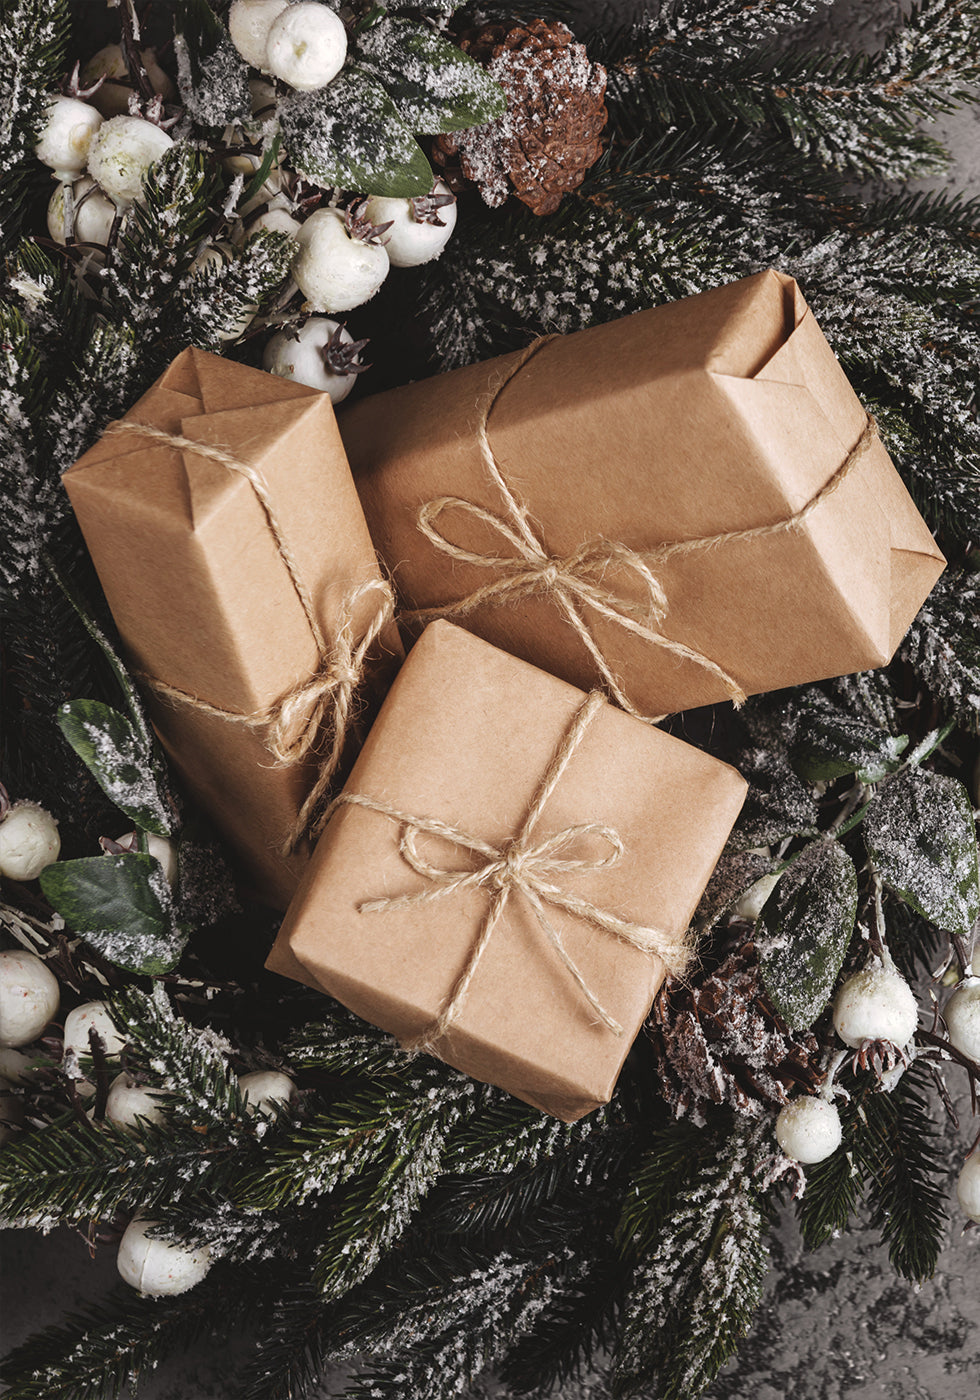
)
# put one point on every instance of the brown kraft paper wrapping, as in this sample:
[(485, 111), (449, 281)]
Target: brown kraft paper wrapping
[(465, 736), (722, 412), (199, 589)]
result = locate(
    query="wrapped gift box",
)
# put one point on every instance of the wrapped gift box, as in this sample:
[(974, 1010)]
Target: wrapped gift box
[(720, 413), (201, 594), (465, 738)]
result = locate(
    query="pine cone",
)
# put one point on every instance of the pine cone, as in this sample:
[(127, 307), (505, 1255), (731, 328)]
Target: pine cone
[(723, 1042), (549, 136)]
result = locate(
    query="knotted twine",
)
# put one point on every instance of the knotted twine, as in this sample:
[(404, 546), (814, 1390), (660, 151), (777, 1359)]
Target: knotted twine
[(577, 580), (294, 721), (522, 866)]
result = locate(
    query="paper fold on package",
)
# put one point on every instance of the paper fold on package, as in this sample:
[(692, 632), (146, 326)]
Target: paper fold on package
[(199, 589), (719, 413)]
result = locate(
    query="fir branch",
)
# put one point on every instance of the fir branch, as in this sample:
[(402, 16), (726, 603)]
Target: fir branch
[(694, 1293), (33, 41), (943, 645), (95, 1353)]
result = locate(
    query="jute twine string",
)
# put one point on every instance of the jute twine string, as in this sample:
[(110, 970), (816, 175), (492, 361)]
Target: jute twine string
[(296, 719), (519, 865), (577, 580)]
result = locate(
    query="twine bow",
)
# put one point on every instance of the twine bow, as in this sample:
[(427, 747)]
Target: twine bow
[(296, 720), (578, 580), (519, 866)]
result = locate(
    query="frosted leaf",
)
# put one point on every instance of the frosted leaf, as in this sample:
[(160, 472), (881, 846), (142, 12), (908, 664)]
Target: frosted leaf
[(120, 760), (920, 834), (435, 87), (807, 923)]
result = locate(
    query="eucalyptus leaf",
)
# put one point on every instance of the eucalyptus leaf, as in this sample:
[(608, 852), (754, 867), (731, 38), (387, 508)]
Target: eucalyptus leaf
[(828, 746), (806, 925), (119, 758), (122, 904), (433, 84), (921, 836), (349, 134)]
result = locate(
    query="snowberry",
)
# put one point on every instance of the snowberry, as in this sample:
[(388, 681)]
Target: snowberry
[(91, 1015), (16, 1067), (420, 227), (123, 152), (808, 1130), (128, 1101), (112, 98), (249, 22), (67, 136), (318, 355), (875, 1004), (749, 904), (968, 1187), (962, 1017), (29, 996), (272, 221), (334, 269), (266, 1090), (92, 213), (29, 841), (158, 1268), (162, 850), (307, 46)]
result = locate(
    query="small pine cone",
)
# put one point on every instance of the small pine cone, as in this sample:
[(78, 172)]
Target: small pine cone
[(549, 135), (723, 1042)]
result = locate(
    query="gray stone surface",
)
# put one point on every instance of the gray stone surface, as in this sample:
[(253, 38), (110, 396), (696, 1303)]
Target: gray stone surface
[(835, 1324)]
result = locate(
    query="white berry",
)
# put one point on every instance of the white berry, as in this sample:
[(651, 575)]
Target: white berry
[(307, 46), (300, 357), (158, 1268), (249, 22), (875, 1004), (413, 240), (265, 1090), (91, 1015), (123, 152), (271, 221), (749, 904), (67, 137), (334, 271), (162, 850), (112, 98), (16, 1067), (29, 997), (29, 841), (808, 1130), (962, 1017), (968, 1187), (128, 1101), (92, 213)]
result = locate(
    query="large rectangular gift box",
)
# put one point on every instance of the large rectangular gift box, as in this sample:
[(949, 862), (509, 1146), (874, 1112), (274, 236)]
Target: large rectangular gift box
[(201, 588), (493, 801), (613, 460)]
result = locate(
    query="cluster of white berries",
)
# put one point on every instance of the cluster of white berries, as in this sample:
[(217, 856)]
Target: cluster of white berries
[(100, 136), (304, 45)]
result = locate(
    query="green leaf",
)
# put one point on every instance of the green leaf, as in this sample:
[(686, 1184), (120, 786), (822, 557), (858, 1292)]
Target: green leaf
[(433, 84), (920, 834), (121, 903), (808, 921), (830, 746), (349, 134), (115, 752)]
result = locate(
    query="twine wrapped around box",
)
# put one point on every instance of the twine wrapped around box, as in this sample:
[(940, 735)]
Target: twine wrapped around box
[(577, 580), (295, 720), (519, 866)]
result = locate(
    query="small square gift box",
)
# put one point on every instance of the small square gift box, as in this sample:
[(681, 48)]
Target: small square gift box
[(509, 872), (680, 506), (227, 534)]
